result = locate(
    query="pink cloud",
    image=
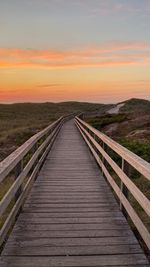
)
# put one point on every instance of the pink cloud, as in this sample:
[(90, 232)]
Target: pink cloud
[(115, 53)]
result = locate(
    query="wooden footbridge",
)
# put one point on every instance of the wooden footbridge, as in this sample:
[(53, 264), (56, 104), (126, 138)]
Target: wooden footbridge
[(64, 207)]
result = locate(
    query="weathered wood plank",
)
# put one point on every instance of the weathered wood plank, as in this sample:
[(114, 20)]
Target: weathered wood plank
[(102, 214), (68, 199), (72, 227), (69, 193), (73, 261), (69, 205), (62, 242), (34, 233), (26, 219), (38, 209), (72, 250)]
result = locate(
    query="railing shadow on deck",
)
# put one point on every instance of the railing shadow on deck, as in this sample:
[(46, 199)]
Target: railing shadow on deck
[(19, 170), (99, 144)]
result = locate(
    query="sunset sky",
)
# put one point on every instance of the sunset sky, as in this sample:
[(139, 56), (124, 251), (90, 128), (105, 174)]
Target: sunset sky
[(84, 50)]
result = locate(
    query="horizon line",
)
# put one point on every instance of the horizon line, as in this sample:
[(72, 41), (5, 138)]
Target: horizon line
[(70, 101)]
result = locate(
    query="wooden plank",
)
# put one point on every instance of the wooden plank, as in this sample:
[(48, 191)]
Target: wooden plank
[(38, 209), (91, 199), (25, 219), (102, 214), (66, 196), (72, 227), (32, 234), (69, 205), (73, 261), (102, 241), (66, 183), (72, 189), (53, 193), (72, 250)]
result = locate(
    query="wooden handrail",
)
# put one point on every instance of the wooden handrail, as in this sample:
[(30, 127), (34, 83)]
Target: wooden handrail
[(40, 145), (138, 163), (8, 164), (89, 133)]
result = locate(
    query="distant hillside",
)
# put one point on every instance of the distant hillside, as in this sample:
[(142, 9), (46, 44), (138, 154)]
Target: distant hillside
[(37, 109), (129, 125), (18, 122), (136, 105), (38, 115)]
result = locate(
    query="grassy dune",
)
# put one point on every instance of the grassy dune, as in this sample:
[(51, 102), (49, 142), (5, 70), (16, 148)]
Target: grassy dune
[(18, 122)]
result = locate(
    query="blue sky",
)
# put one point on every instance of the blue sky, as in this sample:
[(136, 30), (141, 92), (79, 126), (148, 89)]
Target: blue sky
[(67, 23)]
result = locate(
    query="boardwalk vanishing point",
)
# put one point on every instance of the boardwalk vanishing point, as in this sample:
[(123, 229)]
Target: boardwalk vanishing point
[(70, 217)]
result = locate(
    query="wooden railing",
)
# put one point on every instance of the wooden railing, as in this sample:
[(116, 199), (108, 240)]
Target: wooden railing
[(21, 168), (99, 145)]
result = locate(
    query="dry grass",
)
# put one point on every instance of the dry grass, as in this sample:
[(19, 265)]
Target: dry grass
[(18, 122)]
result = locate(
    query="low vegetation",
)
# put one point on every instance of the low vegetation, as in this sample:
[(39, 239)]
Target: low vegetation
[(136, 145), (136, 105), (139, 147), (18, 122), (100, 122)]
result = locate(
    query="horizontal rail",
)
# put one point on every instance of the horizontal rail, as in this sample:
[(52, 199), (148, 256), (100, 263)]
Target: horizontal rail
[(13, 189), (138, 163), (39, 145), (87, 132), (8, 164)]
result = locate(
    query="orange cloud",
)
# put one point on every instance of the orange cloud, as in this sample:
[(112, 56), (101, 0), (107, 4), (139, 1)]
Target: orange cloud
[(111, 54), (65, 65)]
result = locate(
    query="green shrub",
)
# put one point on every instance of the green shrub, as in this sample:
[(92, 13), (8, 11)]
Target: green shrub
[(100, 122)]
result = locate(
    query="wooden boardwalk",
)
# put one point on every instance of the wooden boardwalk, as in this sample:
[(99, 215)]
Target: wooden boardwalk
[(71, 217)]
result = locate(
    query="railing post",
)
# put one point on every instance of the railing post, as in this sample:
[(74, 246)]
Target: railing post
[(34, 149), (104, 161), (123, 188), (103, 146), (18, 170)]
